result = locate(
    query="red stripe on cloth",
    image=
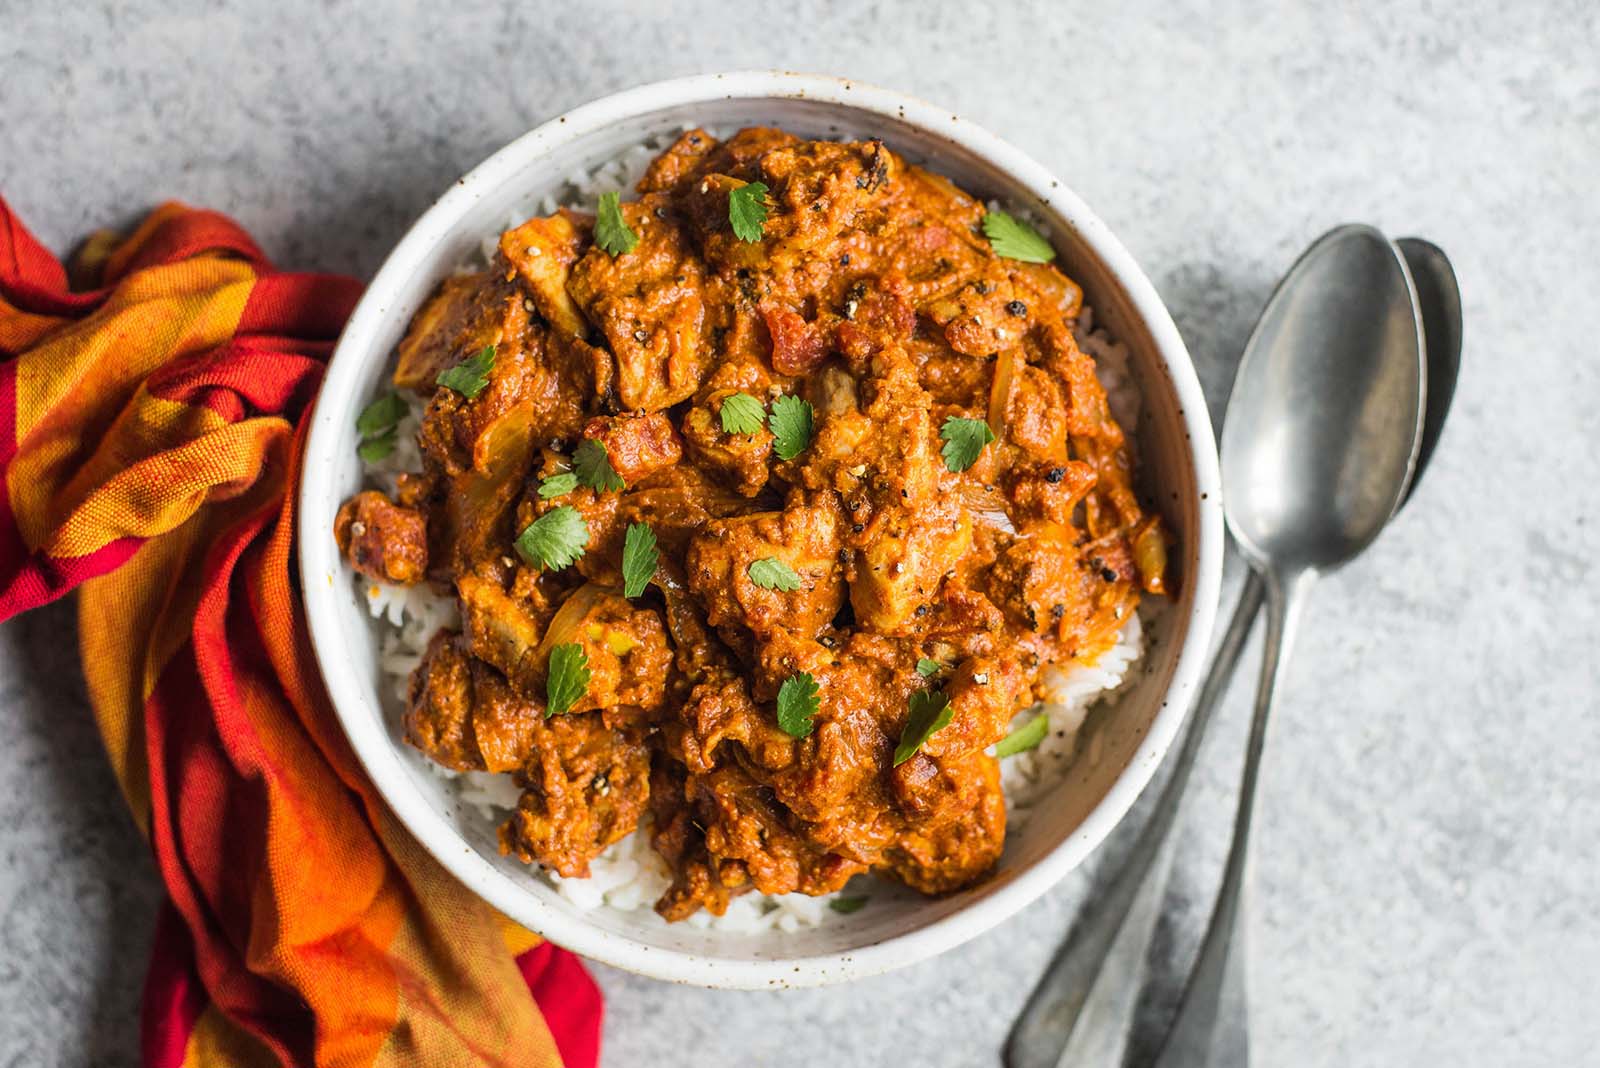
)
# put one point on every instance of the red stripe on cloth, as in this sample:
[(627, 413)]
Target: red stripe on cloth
[(568, 999), (8, 410), (238, 379), (198, 802), (173, 997), (30, 276), (35, 281), (186, 235), (299, 305), (29, 579)]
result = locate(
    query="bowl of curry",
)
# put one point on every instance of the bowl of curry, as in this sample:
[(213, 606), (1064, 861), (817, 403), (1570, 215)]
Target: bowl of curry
[(759, 529)]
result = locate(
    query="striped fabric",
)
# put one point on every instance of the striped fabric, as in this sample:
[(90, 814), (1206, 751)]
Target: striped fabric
[(152, 416)]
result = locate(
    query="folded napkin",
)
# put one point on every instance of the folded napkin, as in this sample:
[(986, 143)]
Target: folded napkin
[(152, 419)]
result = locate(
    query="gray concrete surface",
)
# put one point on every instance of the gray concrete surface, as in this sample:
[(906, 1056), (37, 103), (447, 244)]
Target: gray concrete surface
[(1427, 884)]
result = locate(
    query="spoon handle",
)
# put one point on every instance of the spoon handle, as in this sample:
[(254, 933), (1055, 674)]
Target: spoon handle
[(1044, 1031), (1188, 1043)]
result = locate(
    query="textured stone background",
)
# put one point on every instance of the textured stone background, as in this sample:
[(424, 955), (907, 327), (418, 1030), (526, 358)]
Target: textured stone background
[(1427, 885)]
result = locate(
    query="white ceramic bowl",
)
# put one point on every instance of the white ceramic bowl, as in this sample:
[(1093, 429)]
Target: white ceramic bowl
[(1179, 476)]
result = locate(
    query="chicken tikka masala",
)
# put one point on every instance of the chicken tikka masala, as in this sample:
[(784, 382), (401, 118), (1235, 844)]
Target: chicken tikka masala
[(766, 498)]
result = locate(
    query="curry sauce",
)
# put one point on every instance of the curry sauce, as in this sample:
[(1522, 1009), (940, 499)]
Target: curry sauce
[(861, 479)]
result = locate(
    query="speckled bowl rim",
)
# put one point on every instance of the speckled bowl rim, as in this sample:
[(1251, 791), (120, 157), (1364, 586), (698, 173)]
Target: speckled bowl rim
[(319, 561)]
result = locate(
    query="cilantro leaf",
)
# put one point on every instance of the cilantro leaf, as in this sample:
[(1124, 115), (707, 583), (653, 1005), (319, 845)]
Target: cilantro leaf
[(611, 231), (930, 712), (568, 680), (847, 905), (557, 485), (1016, 240), (470, 375), (963, 440), (374, 449), (797, 704), (747, 211), (555, 539), (1025, 737), (593, 466), (742, 414), (639, 558), (770, 573), (791, 422), (381, 416), (928, 668)]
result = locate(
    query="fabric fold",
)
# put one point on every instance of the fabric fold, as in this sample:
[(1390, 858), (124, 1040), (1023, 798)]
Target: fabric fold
[(152, 423)]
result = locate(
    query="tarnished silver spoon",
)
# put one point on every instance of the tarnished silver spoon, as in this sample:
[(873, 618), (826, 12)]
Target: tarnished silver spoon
[(1323, 431), (1056, 1026)]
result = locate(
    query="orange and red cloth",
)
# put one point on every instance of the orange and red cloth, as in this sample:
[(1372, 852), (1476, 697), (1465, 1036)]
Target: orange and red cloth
[(152, 416)]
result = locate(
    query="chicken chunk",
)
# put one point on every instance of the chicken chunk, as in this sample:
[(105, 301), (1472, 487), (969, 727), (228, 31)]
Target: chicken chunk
[(936, 856), (637, 446), (462, 316), (743, 459), (522, 399), (903, 561), (501, 630), (542, 251), (381, 539), (650, 305), (804, 538), (439, 705), (681, 161), (627, 650), (585, 785)]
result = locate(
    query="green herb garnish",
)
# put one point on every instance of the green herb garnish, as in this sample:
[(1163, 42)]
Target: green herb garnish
[(1016, 240), (568, 680), (742, 414), (471, 375), (847, 905), (557, 485), (747, 211), (611, 231), (639, 559), (791, 424), (374, 449), (593, 467), (379, 427), (928, 668), (770, 573), (797, 704), (930, 712), (381, 416), (555, 539), (1025, 737), (963, 440)]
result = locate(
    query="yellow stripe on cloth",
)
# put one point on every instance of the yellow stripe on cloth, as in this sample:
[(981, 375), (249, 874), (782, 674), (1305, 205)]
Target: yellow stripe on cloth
[(149, 603), (217, 1042), (460, 991), (72, 387), (158, 494)]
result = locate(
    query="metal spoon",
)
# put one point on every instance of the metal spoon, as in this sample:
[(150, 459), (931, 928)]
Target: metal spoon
[(1439, 298), (1054, 1027), (1323, 432)]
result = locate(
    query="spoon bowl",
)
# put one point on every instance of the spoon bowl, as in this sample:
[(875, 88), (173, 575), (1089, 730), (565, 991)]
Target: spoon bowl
[(1320, 438)]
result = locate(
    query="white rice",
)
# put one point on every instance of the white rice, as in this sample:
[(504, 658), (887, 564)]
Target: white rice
[(630, 875)]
